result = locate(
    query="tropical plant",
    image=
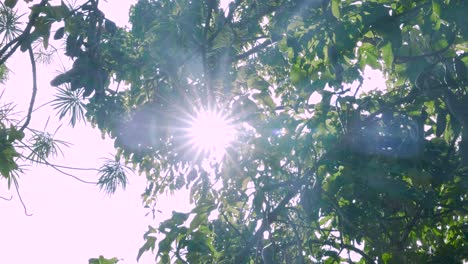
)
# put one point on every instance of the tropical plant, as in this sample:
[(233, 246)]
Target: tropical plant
[(20, 144), (318, 168)]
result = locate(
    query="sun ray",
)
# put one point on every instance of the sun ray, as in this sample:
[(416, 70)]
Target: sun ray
[(211, 133)]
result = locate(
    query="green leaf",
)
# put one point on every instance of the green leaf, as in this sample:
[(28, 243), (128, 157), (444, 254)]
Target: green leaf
[(59, 33), (441, 123), (331, 253), (110, 26), (386, 257), (11, 3), (179, 218), (112, 175), (265, 98), (198, 220), (369, 56), (102, 260), (58, 12), (460, 68), (335, 8), (436, 7), (298, 75), (149, 245), (387, 54)]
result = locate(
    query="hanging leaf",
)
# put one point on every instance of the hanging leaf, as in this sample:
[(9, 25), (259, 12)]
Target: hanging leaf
[(110, 26), (11, 3), (335, 8), (387, 54), (441, 123), (460, 68), (436, 7), (59, 33)]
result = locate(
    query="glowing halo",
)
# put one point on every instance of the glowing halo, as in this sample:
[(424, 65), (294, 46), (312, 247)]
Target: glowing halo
[(211, 133)]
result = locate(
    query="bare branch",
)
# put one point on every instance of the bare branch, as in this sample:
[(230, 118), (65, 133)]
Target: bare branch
[(6, 199), (21, 199), (68, 174), (57, 168), (33, 97), (64, 167), (254, 49)]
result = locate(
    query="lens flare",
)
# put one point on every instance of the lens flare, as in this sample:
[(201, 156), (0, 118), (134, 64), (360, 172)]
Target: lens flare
[(211, 133)]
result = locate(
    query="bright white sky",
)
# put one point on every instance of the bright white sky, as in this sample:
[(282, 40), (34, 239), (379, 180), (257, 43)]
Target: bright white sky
[(71, 221)]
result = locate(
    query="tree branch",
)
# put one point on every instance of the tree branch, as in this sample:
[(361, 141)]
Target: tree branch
[(18, 41), (404, 59), (70, 175), (61, 171), (409, 227), (233, 227), (271, 217), (347, 246), (6, 199), (21, 199), (34, 92), (8, 55), (360, 252), (61, 166), (255, 49)]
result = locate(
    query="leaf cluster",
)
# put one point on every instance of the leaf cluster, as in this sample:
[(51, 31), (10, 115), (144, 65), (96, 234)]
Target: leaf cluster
[(323, 165)]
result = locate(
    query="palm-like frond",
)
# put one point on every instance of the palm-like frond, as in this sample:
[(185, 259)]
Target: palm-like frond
[(7, 112), (14, 176), (68, 102), (45, 145), (42, 54), (3, 73), (112, 174), (9, 23)]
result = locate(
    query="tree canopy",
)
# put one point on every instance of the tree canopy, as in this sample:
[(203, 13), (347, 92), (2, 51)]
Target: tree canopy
[(318, 168)]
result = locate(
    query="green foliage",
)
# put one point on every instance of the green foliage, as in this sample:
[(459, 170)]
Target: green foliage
[(44, 145), (9, 22), (8, 154), (112, 174), (3, 73), (102, 260), (68, 102), (380, 172), (321, 165), (83, 27)]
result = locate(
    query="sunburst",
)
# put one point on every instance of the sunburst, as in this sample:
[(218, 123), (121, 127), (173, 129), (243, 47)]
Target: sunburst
[(211, 133)]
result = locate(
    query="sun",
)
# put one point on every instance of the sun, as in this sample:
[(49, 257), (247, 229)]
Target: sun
[(211, 133)]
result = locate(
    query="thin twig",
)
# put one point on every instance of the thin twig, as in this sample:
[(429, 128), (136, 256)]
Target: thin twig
[(6, 199), (234, 227), (59, 170), (68, 174), (18, 41), (61, 166), (7, 46), (33, 97), (35, 109), (8, 55), (255, 49), (21, 199)]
